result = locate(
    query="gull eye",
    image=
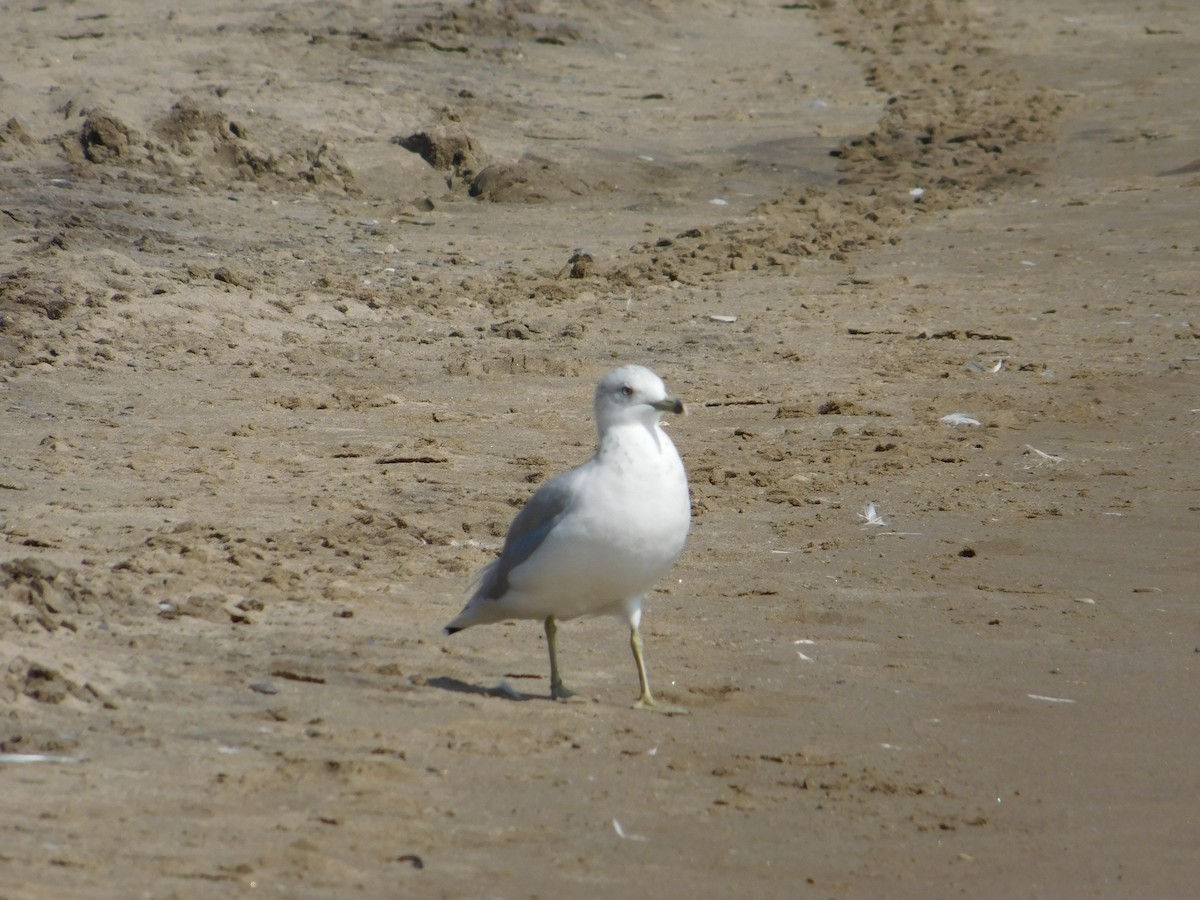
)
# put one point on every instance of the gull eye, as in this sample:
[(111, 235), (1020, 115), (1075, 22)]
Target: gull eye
[(627, 391)]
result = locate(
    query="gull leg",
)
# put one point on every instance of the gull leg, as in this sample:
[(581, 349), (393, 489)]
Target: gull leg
[(558, 691), (646, 700)]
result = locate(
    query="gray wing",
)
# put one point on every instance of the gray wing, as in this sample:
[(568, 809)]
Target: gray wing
[(527, 532)]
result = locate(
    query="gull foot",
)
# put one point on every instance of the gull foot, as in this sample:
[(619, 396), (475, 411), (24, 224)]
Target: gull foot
[(667, 709), (566, 695)]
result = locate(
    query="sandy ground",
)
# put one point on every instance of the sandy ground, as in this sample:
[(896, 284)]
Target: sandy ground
[(299, 301)]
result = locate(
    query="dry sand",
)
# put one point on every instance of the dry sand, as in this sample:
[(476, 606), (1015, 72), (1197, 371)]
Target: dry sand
[(299, 301)]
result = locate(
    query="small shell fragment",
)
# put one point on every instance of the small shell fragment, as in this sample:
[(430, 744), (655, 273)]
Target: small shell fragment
[(623, 835), (1049, 457), (960, 419), (38, 758), (977, 366)]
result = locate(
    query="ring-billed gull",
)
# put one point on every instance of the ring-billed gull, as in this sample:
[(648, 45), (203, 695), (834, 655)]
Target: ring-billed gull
[(592, 541)]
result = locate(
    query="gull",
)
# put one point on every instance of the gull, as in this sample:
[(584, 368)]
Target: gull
[(592, 541)]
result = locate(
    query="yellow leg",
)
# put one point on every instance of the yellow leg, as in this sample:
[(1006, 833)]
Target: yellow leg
[(558, 691), (646, 700)]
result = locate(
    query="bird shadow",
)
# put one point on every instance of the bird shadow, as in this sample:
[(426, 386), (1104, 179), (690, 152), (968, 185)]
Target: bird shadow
[(503, 690)]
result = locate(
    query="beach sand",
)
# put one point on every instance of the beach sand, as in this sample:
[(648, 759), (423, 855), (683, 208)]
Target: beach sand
[(300, 302)]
